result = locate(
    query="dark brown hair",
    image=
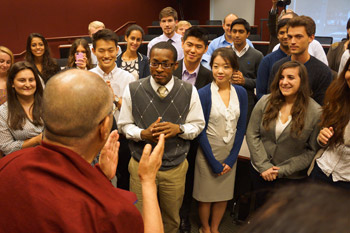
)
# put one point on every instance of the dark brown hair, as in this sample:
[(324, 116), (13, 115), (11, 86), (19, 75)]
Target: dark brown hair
[(336, 107), (228, 55), (168, 11), (73, 50), (16, 114), (277, 100), (49, 65), (307, 22)]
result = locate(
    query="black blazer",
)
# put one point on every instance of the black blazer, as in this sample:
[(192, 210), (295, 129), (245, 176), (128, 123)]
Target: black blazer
[(143, 64), (204, 76)]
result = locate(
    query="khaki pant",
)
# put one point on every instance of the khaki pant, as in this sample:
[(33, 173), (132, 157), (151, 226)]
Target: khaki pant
[(171, 188)]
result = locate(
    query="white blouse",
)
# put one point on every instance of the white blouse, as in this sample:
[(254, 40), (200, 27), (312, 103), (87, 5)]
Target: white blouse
[(281, 126), (336, 161), (223, 120)]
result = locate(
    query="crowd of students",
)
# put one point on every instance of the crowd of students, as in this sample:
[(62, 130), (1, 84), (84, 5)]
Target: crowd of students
[(297, 120)]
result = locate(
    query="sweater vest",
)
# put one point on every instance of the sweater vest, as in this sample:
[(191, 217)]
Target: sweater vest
[(147, 106)]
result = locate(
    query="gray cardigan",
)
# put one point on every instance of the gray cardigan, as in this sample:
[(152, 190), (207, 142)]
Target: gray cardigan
[(292, 154)]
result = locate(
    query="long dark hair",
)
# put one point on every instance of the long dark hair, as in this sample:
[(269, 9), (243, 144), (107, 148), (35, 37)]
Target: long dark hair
[(16, 114), (49, 65), (73, 50), (277, 100), (336, 107)]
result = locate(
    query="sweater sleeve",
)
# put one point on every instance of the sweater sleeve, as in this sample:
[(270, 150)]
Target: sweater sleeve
[(262, 78), (241, 126), (205, 98)]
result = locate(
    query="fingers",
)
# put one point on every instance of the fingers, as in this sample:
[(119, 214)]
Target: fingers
[(159, 149), (146, 153), (325, 134)]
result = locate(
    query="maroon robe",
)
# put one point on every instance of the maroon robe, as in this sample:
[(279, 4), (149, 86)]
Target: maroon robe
[(52, 189)]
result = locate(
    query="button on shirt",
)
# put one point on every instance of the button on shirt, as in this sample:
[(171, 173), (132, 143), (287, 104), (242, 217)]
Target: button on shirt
[(187, 77), (118, 78), (177, 43)]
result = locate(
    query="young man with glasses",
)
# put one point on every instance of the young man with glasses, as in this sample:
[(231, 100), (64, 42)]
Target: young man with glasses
[(162, 104)]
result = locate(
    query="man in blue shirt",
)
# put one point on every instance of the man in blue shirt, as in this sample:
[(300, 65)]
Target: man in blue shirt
[(268, 61), (222, 41)]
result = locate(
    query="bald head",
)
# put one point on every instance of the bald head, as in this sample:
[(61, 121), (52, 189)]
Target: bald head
[(230, 17), (75, 101), (227, 26)]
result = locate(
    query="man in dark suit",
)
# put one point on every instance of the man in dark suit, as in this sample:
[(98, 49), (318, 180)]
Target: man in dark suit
[(194, 44)]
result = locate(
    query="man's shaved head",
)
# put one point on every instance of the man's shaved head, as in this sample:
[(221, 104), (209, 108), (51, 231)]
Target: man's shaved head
[(75, 102)]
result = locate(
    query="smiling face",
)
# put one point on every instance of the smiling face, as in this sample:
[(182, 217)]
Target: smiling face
[(298, 40), (289, 83), (5, 63), (222, 71), (37, 47), (106, 52), (160, 74), (134, 40), (168, 25), (24, 83), (283, 37), (194, 49)]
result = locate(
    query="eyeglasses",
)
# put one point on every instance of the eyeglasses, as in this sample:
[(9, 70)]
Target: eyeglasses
[(164, 65), (114, 109)]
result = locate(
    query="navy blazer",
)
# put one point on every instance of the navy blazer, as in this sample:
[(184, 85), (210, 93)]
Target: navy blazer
[(143, 64), (204, 76)]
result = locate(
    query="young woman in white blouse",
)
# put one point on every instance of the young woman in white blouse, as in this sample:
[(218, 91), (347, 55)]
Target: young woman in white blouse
[(20, 117), (333, 166), (225, 112), (282, 131)]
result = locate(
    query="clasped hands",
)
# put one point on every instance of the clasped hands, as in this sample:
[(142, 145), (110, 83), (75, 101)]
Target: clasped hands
[(270, 174), (237, 78), (226, 169), (157, 128)]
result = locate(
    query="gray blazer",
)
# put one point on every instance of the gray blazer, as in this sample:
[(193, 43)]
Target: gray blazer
[(292, 154)]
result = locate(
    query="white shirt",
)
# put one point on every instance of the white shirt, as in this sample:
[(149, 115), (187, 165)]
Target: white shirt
[(315, 49), (118, 78), (194, 123), (281, 126), (336, 162), (177, 43), (242, 52), (344, 59)]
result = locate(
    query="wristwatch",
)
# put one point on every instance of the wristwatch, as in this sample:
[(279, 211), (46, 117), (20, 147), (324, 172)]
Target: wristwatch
[(116, 101)]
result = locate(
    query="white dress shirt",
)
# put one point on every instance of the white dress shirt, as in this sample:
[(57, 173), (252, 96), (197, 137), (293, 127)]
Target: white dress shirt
[(177, 43), (194, 122), (118, 78), (242, 52)]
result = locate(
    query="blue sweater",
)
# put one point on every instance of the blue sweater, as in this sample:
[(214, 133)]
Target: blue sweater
[(205, 97), (264, 71)]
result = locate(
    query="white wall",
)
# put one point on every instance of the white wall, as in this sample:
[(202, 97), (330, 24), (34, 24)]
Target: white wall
[(243, 8)]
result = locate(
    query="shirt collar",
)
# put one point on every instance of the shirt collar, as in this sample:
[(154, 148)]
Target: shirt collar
[(168, 86), (195, 72), (242, 52), (175, 37), (103, 74)]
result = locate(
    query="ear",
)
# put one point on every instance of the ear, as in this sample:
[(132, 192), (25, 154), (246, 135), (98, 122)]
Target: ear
[(93, 50), (125, 38), (311, 38), (248, 34), (176, 65), (182, 42), (117, 50), (105, 127)]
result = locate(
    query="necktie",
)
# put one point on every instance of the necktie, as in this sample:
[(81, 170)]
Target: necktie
[(162, 91), (170, 41)]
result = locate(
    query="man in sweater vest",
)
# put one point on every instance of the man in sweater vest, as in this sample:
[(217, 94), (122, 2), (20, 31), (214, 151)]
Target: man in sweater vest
[(248, 60), (162, 104)]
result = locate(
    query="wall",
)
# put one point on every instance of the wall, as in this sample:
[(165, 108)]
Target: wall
[(71, 17), (243, 8), (262, 8)]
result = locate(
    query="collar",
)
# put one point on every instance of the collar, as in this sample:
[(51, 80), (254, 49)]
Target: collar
[(195, 72), (175, 37), (242, 52), (224, 41), (168, 86), (104, 75)]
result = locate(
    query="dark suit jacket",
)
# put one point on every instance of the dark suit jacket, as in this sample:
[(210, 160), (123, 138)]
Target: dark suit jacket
[(203, 78)]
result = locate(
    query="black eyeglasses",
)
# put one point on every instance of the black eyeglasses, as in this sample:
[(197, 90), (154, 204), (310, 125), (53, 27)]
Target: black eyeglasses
[(164, 65)]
